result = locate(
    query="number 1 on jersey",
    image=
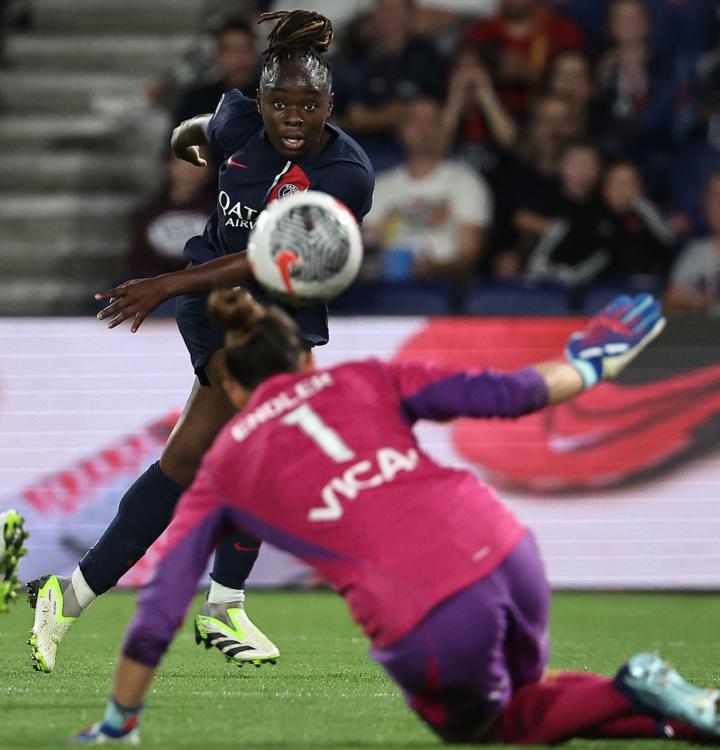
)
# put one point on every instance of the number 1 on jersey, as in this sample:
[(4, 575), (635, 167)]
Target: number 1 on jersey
[(312, 424)]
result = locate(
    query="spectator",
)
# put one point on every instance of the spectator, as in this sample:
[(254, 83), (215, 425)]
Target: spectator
[(680, 27), (527, 189), (639, 239), (570, 76), (695, 275), (636, 91), (571, 251), (699, 157), (430, 216), (517, 45), (179, 210), (445, 20), (475, 122), (237, 64), (400, 66)]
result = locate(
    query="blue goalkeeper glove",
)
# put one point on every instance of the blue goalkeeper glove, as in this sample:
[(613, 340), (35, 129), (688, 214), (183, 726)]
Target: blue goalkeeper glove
[(615, 336)]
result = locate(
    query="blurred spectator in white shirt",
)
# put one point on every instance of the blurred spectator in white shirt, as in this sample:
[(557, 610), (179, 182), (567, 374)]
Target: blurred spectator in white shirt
[(430, 215)]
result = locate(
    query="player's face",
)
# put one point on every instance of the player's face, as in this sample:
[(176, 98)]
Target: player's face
[(294, 108), (622, 188), (421, 129)]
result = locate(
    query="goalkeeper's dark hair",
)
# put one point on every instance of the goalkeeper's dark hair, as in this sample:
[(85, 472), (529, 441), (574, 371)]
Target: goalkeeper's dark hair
[(298, 36), (260, 341)]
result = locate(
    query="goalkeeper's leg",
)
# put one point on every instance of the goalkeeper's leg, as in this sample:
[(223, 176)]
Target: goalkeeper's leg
[(647, 699)]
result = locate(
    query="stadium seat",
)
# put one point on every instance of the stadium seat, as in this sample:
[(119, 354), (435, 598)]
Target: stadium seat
[(495, 297), (403, 298)]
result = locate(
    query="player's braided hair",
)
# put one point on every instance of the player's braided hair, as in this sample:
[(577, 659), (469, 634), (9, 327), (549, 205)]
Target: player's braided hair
[(297, 35), (260, 341)]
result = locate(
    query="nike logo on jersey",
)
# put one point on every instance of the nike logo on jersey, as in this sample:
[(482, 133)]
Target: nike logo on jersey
[(234, 163)]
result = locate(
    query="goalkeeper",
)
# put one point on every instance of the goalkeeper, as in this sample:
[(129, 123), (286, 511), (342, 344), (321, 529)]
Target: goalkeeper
[(324, 465)]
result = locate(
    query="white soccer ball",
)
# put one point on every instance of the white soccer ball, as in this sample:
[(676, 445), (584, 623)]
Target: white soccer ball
[(305, 248)]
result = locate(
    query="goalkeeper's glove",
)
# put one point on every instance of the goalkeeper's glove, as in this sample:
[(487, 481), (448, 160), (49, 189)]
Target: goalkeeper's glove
[(615, 336)]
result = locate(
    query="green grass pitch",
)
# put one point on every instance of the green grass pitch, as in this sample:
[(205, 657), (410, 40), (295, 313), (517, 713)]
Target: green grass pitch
[(324, 691)]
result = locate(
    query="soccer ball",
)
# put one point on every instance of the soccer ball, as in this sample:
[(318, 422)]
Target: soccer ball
[(305, 248)]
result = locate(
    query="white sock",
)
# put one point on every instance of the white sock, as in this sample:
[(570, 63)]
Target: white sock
[(84, 594), (220, 594)]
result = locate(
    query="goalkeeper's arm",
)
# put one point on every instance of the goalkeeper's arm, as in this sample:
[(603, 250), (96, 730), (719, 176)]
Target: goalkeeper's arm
[(612, 339)]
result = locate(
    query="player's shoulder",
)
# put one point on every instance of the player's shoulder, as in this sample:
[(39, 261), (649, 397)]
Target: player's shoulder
[(235, 119), (344, 171), (236, 100), (345, 149), (356, 368)]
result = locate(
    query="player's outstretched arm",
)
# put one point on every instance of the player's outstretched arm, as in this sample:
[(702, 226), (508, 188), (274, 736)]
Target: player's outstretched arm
[(612, 339), (137, 298)]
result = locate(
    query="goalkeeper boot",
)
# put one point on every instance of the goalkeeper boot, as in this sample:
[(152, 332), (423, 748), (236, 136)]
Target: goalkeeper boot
[(12, 536), (228, 628), (118, 726), (652, 685), (56, 609), (100, 734)]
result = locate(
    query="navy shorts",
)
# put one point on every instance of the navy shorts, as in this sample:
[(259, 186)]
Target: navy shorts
[(203, 338), (459, 667)]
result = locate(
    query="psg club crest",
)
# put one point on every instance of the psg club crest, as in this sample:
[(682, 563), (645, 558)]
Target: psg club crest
[(288, 189)]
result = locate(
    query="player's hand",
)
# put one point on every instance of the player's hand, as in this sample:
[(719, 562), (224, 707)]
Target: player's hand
[(187, 137), (615, 336), (190, 154), (134, 299)]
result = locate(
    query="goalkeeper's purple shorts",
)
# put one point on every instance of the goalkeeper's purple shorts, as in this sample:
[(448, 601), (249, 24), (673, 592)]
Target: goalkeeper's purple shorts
[(460, 665)]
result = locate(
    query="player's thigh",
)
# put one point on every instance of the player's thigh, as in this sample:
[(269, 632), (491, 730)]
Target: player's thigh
[(452, 666), (205, 413), (528, 644)]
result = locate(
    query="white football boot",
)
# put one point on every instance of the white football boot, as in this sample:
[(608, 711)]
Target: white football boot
[(228, 628), (56, 609)]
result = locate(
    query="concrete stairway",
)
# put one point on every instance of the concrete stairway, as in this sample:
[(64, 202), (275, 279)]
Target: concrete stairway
[(79, 146)]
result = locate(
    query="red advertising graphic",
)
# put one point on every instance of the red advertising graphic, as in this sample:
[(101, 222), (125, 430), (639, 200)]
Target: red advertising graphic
[(662, 413)]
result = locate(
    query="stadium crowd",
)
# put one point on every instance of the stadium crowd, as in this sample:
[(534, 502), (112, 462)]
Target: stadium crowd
[(530, 152)]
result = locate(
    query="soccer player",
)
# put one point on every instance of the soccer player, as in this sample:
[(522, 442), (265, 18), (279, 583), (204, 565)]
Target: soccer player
[(275, 146), (324, 464)]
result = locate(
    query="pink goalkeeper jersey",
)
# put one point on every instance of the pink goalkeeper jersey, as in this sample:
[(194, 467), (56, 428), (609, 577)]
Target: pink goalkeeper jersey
[(325, 466)]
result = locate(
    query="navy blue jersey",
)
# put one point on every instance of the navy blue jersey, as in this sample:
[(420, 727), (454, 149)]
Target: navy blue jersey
[(253, 174)]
